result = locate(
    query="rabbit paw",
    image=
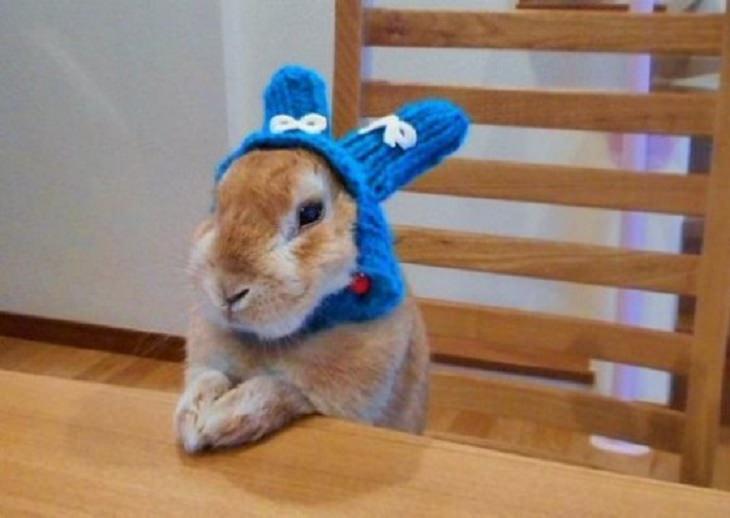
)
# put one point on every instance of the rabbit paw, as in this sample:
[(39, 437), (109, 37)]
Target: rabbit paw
[(197, 398), (229, 423)]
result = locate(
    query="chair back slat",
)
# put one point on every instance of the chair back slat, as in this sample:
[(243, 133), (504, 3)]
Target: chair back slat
[(514, 330), (665, 112), (565, 185), (348, 57), (544, 259), (570, 31)]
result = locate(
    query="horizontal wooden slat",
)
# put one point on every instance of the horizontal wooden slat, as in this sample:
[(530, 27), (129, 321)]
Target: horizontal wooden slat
[(607, 32), (589, 264), (467, 328), (624, 190), (571, 409), (659, 112), (543, 363)]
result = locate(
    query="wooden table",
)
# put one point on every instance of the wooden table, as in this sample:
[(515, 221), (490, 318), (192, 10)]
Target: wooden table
[(71, 448)]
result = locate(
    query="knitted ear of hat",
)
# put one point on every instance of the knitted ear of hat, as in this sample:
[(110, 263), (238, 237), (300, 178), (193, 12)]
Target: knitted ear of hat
[(417, 137), (296, 114), (372, 163), (297, 93)]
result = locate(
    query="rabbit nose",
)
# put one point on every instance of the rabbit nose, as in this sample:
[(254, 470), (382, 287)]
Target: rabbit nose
[(235, 297)]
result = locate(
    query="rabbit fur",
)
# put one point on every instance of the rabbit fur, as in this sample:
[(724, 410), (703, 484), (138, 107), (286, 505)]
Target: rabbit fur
[(241, 386)]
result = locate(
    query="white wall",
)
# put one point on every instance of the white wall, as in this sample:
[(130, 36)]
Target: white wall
[(112, 116)]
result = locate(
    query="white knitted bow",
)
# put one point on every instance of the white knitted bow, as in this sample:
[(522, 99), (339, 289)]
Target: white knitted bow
[(311, 123), (397, 132)]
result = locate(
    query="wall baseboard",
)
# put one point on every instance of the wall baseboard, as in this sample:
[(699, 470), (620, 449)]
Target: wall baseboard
[(83, 335), (167, 347)]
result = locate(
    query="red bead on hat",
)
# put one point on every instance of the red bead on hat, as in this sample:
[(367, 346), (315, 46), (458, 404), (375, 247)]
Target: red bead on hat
[(360, 284)]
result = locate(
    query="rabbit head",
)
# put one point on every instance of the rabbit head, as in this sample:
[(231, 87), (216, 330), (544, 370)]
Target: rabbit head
[(279, 241)]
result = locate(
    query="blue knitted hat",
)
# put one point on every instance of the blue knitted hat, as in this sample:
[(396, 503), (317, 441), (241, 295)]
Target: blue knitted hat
[(372, 162)]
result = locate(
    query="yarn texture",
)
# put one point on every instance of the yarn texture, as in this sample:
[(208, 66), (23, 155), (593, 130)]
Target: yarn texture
[(372, 163)]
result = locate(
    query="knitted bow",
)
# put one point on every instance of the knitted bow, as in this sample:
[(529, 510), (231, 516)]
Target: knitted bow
[(311, 123), (396, 132)]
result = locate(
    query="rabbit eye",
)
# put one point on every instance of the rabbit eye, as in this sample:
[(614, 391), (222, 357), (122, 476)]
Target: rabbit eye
[(310, 212)]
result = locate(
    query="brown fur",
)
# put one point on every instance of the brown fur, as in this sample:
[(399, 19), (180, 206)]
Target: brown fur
[(238, 389)]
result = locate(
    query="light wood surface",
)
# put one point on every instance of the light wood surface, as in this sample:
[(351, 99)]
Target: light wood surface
[(602, 265), (611, 32), (348, 65), (64, 361), (712, 316), (454, 423), (573, 409), (84, 364), (540, 333), (81, 448), (689, 113), (565, 185)]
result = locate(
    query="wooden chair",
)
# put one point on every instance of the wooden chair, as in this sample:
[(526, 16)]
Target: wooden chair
[(698, 355)]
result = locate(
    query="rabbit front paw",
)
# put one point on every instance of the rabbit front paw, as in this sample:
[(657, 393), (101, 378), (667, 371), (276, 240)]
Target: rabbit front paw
[(224, 429), (231, 422), (255, 408), (195, 401)]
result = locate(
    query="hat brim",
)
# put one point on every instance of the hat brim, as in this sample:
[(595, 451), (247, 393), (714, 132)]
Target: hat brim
[(348, 169)]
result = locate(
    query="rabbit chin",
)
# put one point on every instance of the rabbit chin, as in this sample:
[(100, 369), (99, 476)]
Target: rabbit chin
[(281, 323), (274, 330)]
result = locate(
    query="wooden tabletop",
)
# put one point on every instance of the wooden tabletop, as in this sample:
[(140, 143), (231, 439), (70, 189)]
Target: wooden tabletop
[(70, 448)]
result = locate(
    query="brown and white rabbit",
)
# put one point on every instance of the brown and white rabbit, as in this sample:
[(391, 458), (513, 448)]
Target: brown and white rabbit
[(286, 234)]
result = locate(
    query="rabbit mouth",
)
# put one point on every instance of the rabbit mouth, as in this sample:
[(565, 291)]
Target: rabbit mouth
[(268, 318), (270, 321)]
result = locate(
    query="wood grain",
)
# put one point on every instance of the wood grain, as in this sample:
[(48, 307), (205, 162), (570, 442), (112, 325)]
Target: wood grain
[(572, 31), (485, 356), (468, 427), (712, 316), (601, 265), (472, 327), (348, 65), (93, 336), (565, 185), (555, 444), (574, 409), (690, 113), (81, 448), (692, 230), (85, 364)]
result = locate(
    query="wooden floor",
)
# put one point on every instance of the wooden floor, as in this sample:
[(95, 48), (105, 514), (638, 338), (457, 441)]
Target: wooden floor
[(447, 423)]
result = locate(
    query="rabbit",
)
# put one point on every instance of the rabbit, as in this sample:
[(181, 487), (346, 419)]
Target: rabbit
[(300, 303), (238, 388)]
